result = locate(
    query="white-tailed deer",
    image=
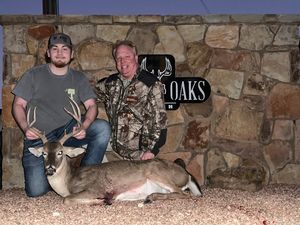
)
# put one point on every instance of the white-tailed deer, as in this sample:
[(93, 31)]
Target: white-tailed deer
[(117, 180)]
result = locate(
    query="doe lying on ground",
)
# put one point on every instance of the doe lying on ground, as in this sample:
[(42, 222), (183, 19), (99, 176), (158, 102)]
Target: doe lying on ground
[(149, 180)]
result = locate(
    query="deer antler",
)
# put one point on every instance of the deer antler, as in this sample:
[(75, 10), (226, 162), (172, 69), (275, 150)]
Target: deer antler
[(33, 129), (76, 115)]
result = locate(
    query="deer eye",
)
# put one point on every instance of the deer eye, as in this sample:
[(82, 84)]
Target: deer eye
[(60, 153)]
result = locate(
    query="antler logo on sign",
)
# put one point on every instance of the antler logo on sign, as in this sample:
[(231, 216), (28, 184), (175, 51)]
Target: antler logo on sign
[(166, 71), (176, 89)]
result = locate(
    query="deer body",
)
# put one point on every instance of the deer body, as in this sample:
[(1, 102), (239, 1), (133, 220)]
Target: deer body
[(118, 180)]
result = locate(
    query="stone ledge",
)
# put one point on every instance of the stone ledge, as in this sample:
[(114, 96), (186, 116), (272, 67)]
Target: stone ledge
[(171, 19)]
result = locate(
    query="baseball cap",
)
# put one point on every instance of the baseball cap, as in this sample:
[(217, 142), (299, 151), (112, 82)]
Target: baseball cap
[(59, 38)]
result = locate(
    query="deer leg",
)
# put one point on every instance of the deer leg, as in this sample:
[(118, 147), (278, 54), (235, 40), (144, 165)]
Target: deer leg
[(85, 197), (163, 196)]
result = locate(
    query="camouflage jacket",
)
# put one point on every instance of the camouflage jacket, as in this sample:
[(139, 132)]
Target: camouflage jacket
[(136, 112)]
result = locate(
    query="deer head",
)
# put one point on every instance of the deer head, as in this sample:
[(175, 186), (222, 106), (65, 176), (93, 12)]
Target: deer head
[(54, 152)]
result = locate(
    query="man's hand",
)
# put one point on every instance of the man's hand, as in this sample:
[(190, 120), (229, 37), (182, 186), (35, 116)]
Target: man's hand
[(90, 116), (32, 133), (79, 133), (147, 155)]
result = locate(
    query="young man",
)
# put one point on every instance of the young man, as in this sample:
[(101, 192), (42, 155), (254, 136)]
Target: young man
[(48, 87), (134, 103)]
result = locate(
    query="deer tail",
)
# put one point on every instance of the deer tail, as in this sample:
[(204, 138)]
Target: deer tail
[(193, 184)]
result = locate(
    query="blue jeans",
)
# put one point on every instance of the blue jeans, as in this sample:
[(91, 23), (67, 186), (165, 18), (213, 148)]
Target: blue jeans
[(97, 138)]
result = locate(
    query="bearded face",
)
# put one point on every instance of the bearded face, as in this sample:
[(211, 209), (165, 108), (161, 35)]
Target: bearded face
[(60, 55), (60, 63)]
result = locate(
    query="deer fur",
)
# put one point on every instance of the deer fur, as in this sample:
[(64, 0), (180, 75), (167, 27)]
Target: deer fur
[(117, 180)]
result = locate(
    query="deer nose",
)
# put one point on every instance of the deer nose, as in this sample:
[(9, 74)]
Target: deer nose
[(50, 171)]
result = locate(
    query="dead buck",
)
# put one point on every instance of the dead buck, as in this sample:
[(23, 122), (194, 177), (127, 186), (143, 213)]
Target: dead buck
[(118, 180)]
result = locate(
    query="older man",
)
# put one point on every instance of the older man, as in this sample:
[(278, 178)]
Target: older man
[(135, 106)]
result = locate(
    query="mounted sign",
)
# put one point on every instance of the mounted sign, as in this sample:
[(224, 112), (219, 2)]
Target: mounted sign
[(177, 89)]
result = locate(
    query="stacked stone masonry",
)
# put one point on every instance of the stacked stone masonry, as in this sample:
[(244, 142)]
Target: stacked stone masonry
[(245, 136)]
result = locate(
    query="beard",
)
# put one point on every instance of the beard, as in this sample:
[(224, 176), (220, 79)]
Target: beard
[(60, 64)]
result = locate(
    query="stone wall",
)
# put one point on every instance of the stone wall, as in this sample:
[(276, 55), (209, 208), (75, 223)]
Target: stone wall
[(245, 136)]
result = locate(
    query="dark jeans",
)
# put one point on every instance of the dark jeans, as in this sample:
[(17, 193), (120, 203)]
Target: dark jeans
[(97, 138)]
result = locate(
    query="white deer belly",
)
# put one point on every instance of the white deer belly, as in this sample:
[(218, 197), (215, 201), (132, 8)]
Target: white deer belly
[(143, 191)]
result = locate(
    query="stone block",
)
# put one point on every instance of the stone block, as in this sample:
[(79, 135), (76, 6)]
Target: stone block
[(196, 168), (215, 160), (276, 65), (174, 137), (175, 117), (7, 100), (277, 154), (283, 130), (226, 82), (112, 33), (197, 135), (248, 176), (21, 63), (16, 139), (290, 174), (239, 123), (40, 32), (13, 175), (90, 52), (297, 141), (222, 36), (283, 102)]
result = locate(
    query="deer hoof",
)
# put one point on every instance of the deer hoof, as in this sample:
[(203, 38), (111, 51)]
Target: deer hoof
[(148, 200), (107, 202)]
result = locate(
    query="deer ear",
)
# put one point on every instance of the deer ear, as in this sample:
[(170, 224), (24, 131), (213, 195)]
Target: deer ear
[(73, 152), (36, 151)]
